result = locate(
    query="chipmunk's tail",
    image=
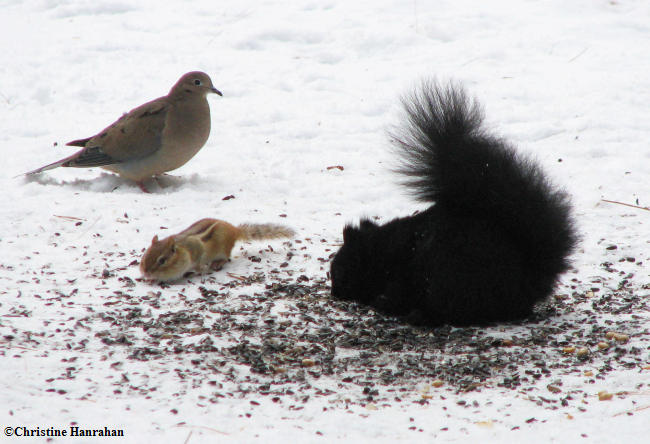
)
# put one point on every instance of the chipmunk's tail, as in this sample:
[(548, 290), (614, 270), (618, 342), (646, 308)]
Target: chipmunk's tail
[(264, 231)]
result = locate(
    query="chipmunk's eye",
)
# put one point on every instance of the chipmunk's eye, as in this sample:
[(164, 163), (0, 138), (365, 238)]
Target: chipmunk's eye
[(162, 260)]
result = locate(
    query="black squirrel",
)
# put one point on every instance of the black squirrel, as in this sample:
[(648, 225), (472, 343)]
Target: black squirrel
[(494, 241)]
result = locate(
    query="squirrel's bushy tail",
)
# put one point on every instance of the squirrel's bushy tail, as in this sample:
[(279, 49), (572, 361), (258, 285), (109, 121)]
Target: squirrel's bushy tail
[(264, 231), (449, 159)]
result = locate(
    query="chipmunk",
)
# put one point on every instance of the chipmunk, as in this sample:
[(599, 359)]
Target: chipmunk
[(202, 246)]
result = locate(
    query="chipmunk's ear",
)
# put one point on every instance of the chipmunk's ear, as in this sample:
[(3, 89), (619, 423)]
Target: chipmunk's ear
[(154, 240)]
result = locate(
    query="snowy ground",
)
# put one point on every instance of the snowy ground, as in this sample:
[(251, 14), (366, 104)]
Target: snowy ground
[(259, 349)]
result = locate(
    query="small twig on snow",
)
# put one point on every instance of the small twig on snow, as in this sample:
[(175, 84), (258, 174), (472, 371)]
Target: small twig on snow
[(232, 275), (626, 204), (69, 217)]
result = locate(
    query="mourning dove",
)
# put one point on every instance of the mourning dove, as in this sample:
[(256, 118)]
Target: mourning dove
[(154, 138)]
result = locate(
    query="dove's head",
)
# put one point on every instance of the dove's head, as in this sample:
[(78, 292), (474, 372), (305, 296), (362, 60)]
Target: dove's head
[(195, 82)]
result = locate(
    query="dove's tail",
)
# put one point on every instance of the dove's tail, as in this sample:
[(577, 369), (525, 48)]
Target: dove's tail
[(51, 166), (87, 157)]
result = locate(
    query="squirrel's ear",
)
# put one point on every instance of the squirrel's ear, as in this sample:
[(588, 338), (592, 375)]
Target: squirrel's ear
[(349, 233), (352, 233), (367, 224), (155, 239)]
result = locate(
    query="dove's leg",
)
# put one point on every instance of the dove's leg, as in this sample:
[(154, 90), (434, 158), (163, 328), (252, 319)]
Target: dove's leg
[(142, 187)]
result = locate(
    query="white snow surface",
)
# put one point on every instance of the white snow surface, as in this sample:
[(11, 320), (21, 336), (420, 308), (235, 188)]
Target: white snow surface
[(307, 85)]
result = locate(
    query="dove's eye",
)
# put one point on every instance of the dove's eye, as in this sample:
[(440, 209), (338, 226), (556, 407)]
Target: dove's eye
[(197, 82)]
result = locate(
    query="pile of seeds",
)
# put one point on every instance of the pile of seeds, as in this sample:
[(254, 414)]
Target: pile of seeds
[(268, 335), (277, 334)]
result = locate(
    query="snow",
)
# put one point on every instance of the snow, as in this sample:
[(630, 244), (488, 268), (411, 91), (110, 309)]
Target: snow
[(307, 86)]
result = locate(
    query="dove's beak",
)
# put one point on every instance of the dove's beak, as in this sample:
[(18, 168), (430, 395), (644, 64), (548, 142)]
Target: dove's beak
[(216, 91)]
